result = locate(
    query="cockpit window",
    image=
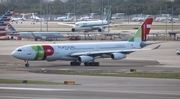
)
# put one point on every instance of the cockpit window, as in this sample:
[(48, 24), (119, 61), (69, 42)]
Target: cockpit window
[(19, 50), (77, 24)]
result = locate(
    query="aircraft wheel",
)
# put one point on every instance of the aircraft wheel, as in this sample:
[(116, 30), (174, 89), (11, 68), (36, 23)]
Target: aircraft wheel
[(96, 63), (26, 65), (86, 64), (75, 63)]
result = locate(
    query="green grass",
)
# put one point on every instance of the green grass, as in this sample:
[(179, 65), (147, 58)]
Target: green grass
[(12, 81), (137, 74)]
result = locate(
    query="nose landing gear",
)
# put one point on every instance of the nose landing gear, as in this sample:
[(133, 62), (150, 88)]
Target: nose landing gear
[(26, 63)]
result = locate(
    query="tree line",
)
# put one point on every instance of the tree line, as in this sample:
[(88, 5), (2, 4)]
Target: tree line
[(80, 7)]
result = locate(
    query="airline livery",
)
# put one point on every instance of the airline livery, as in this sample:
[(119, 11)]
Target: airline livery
[(35, 35), (99, 25), (5, 19), (85, 53)]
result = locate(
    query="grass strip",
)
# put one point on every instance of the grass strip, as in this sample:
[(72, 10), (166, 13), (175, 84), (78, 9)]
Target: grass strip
[(12, 81), (130, 74)]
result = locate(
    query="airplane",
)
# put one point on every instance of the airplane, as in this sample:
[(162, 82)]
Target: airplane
[(116, 16), (99, 25), (65, 18), (18, 19), (36, 18), (87, 18), (5, 19), (85, 53), (34, 35)]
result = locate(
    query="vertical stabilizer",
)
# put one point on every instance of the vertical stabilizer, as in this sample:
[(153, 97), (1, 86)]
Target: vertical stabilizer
[(109, 15), (144, 29)]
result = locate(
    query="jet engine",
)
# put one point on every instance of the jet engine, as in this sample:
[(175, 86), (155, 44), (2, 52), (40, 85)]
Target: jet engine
[(116, 56), (73, 30), (101, 29), (85, 59)]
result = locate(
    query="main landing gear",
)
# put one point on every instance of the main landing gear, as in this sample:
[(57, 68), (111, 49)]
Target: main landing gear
[(75, 63), (91, 64), (26, 63), (85, 64)]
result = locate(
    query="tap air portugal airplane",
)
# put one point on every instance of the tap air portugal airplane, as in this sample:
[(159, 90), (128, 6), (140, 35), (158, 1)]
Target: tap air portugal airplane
[(99, 25), (34, 35), (85, 52), (5, 19)]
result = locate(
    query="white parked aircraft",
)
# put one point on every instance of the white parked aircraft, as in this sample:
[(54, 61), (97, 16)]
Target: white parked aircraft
[(99, 25), (87, 18), (36, 18), (19, 19), (65, 18), (4, 21), (35, 35), (85, 53)]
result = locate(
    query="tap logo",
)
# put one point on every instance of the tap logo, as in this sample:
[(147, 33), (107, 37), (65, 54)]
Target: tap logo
[(42, 51)]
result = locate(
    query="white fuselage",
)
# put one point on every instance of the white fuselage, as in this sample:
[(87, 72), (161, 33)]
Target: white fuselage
[(52, 52), (90, 25), (39, 35)]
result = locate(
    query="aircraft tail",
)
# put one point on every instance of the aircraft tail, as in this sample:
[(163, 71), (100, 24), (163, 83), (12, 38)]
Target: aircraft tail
[(109, 15), (144, 29), (5, 19), (11, 28)]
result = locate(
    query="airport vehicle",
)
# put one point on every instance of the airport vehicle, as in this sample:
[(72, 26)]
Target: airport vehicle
[(36, 18), (85, 53), (99, 25), (18, 19), (5, 19), (35, 35), (65, 18), (87, 18)]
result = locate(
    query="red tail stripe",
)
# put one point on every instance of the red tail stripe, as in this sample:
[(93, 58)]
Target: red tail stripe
[(145, 29)]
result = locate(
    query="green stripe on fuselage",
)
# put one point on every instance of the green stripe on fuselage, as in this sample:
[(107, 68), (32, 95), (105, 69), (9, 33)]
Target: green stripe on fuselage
[(39, 52)]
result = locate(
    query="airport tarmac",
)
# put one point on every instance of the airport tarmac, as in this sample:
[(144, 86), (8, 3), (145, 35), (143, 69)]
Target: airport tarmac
[(163, 59)]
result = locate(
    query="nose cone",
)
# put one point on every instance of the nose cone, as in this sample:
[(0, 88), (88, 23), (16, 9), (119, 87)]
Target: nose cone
[(178, 52), (15, 54)]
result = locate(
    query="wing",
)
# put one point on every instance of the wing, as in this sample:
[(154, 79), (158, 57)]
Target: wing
[(104, 26), (112, 51)]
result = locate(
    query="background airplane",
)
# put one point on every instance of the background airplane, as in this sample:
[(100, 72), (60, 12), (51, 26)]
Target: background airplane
[(34, 35), (36, 18), (99, 25), (85, 53), (65, 18), (87, 18), (4, 21), (18, 19)]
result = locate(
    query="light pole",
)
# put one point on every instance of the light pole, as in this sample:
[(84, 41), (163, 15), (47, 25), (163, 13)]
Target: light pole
[(40, 15), (166, 22), (172, 14)]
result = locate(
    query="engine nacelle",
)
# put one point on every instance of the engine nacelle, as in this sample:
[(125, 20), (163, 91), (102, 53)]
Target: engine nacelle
[(73, 30), (85, 59), (101, 29), (116, 56), (43, 37)]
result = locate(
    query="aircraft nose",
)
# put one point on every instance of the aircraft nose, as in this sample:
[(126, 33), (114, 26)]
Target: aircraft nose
[(178, 52), (15, 54)]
